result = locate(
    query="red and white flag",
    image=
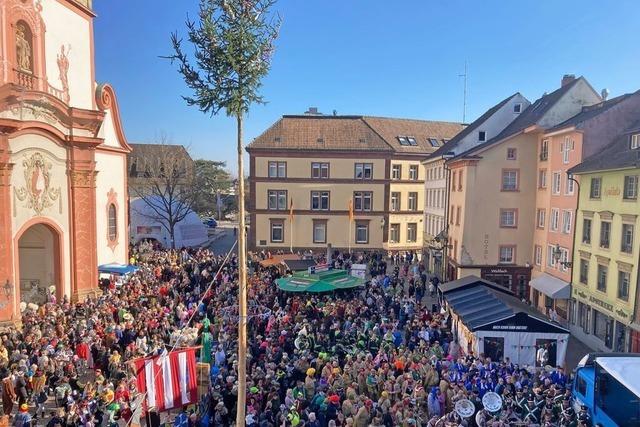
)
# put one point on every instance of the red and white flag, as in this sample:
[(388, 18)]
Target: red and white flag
[(170, 380)]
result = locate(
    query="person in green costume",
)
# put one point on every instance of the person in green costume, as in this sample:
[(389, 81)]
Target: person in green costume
[(206, 341)]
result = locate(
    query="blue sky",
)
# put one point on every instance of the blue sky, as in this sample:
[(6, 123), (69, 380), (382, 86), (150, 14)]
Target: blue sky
[(396, 58)]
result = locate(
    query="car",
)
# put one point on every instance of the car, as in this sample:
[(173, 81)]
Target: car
[(210, 222)]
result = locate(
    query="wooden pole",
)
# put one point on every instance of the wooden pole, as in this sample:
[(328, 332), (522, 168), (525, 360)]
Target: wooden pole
[(242, 286)]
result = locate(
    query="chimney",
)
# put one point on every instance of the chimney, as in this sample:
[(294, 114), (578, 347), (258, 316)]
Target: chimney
[(566, 79), (312, 111)]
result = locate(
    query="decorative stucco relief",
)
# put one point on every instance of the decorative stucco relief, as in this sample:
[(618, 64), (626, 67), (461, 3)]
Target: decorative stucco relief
[(37, 191)]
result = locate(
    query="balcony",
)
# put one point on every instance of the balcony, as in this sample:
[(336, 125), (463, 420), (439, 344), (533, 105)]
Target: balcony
[(25, 79)]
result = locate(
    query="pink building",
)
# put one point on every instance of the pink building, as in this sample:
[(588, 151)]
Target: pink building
[(560, 148)]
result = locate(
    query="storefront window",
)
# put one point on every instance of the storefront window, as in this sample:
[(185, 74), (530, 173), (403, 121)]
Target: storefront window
[(621, 338), (583, 317), (602, 326)]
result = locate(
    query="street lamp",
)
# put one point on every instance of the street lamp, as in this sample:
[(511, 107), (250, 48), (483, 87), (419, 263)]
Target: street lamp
[(557, 255)]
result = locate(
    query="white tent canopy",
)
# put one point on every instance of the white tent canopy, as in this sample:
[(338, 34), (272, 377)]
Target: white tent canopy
[(146, 225), (485, 314)]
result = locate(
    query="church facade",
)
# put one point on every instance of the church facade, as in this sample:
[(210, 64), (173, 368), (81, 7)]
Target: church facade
[(63, 180)]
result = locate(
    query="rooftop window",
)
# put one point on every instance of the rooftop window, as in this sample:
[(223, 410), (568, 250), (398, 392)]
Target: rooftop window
[(517, 108), (412, 140), (403, 140), (635, 141), (433, 142)]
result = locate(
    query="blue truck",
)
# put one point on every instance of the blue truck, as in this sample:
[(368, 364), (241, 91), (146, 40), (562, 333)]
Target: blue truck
[(608, 384)]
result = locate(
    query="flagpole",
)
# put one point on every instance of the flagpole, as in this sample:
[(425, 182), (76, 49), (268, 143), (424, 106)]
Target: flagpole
[(349, 238), (291, 230)]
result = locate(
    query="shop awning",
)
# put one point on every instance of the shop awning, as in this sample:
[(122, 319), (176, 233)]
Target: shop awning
[(278, 259), (116, 269), (551, 286), (325, 281)]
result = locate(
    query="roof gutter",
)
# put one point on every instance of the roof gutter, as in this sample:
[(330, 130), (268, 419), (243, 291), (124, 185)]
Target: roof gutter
[(561, 131)]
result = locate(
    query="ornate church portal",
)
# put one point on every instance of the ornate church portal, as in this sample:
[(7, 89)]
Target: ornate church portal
[(63, 180)]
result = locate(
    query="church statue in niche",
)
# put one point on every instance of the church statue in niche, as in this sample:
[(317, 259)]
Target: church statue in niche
[(23, 47)]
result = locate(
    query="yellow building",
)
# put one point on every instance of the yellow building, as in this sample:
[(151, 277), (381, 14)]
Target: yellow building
[(318, 166), (605, 263)]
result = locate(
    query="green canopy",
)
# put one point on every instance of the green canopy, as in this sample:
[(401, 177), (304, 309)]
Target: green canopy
[(323, 281)]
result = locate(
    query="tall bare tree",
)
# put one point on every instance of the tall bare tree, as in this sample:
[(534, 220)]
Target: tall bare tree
[(164, 180), (232, 43)]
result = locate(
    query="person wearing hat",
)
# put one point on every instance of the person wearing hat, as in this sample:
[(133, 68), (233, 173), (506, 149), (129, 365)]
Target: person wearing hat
[(531, 412), (23, 418)]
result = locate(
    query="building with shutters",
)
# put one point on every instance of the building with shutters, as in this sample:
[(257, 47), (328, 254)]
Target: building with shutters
[(318, 166)]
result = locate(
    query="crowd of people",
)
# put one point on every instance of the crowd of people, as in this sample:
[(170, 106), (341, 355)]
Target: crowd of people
[(378, 356)]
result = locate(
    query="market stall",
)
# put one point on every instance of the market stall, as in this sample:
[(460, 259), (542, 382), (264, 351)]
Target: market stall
[(489, 320)]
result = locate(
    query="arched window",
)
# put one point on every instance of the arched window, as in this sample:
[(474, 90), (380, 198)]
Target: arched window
[(24, 47), (112, 223)]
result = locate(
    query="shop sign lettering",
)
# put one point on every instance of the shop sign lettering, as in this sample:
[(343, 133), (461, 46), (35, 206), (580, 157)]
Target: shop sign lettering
[(509, 328), (486, 246), (499, 270), (612, 191), (601, 303)]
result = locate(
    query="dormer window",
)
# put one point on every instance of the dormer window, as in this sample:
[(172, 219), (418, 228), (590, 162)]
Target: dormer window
[(482, 136), (635, 141), (517, 108), (433, 142)]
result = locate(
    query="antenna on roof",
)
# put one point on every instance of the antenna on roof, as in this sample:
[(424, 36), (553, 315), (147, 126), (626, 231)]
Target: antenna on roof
[(464, 97)]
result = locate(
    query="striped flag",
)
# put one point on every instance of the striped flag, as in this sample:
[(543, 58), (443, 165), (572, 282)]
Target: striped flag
[(291, 210), (170, 379), (350, 209)]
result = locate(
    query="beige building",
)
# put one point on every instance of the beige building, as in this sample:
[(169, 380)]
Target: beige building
[(487, 126), (318, 166), (492, 187)]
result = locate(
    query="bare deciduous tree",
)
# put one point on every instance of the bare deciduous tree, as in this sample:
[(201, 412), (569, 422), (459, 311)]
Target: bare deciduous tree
[(164, 180)]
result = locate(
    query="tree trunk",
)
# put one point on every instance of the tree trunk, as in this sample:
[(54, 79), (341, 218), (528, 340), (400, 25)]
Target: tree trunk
[(242, 286), (172, 235)]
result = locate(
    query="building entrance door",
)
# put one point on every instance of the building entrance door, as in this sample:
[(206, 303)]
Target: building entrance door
[(39, 262)]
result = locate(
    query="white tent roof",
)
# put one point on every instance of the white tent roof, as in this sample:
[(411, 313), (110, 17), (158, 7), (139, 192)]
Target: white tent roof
[(624, 369)]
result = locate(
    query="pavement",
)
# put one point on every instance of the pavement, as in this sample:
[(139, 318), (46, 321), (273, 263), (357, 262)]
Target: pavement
[(222, 238), (576, 350)]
